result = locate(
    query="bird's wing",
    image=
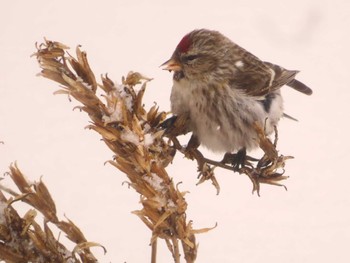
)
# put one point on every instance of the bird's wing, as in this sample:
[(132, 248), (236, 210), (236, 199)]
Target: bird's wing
[(257, 78)]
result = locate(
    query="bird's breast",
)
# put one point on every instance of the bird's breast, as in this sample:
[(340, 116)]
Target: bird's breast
[(220, 117)]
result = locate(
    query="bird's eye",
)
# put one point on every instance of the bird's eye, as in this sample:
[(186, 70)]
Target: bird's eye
[(190, 58)]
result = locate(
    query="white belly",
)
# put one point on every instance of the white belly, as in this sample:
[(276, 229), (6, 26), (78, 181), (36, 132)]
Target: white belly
[(222, 118)]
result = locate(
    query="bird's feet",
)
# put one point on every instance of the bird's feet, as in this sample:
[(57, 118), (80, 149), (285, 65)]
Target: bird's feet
[(175, 125), (237, 160), (168, 123)]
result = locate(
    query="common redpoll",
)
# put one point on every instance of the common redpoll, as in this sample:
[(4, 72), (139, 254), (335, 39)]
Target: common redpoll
[(224, 90)]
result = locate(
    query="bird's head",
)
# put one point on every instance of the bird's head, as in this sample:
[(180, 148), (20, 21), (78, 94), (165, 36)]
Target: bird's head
[(199, 54)]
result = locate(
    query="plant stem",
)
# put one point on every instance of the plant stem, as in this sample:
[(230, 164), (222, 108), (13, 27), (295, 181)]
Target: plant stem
[(176, 250), (154, 251)]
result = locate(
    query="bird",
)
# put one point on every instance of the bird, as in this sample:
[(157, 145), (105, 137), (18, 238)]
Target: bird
[(224, 90)]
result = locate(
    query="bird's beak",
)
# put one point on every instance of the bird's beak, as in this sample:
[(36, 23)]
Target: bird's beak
[(171, 64)]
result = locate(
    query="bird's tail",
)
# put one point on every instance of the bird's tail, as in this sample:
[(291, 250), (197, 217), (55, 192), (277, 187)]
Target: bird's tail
[(299, 86)]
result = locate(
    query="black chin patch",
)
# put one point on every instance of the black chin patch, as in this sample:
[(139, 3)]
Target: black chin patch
[(179, 75), (268, 101)]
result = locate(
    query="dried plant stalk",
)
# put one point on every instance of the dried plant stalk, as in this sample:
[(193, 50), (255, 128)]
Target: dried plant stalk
[(134, 136), (22, 239)]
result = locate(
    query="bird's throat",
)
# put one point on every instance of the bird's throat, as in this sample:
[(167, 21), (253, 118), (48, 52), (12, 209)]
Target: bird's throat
[(178, 75)]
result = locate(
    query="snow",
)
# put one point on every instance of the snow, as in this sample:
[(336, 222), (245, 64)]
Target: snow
[(88, 86), (115, 114), (121, 91), (130, 136), (148, 139), (118, 97), (171, 204), (155, 181)]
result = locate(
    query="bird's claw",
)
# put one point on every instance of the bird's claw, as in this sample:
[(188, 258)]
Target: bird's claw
[(175, 125), (237, 160)]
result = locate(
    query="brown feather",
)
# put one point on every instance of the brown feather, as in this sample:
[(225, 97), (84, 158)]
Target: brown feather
[(253, 77), (299, 86)]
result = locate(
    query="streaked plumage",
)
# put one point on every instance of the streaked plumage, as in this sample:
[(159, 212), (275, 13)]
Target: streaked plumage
[(224, 89)]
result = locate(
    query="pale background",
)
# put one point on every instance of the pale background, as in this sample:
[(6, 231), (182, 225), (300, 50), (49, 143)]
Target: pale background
[(308, 223)]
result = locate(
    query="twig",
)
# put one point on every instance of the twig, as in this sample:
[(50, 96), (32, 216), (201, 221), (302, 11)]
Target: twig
[(176, 254), (154, 251)]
